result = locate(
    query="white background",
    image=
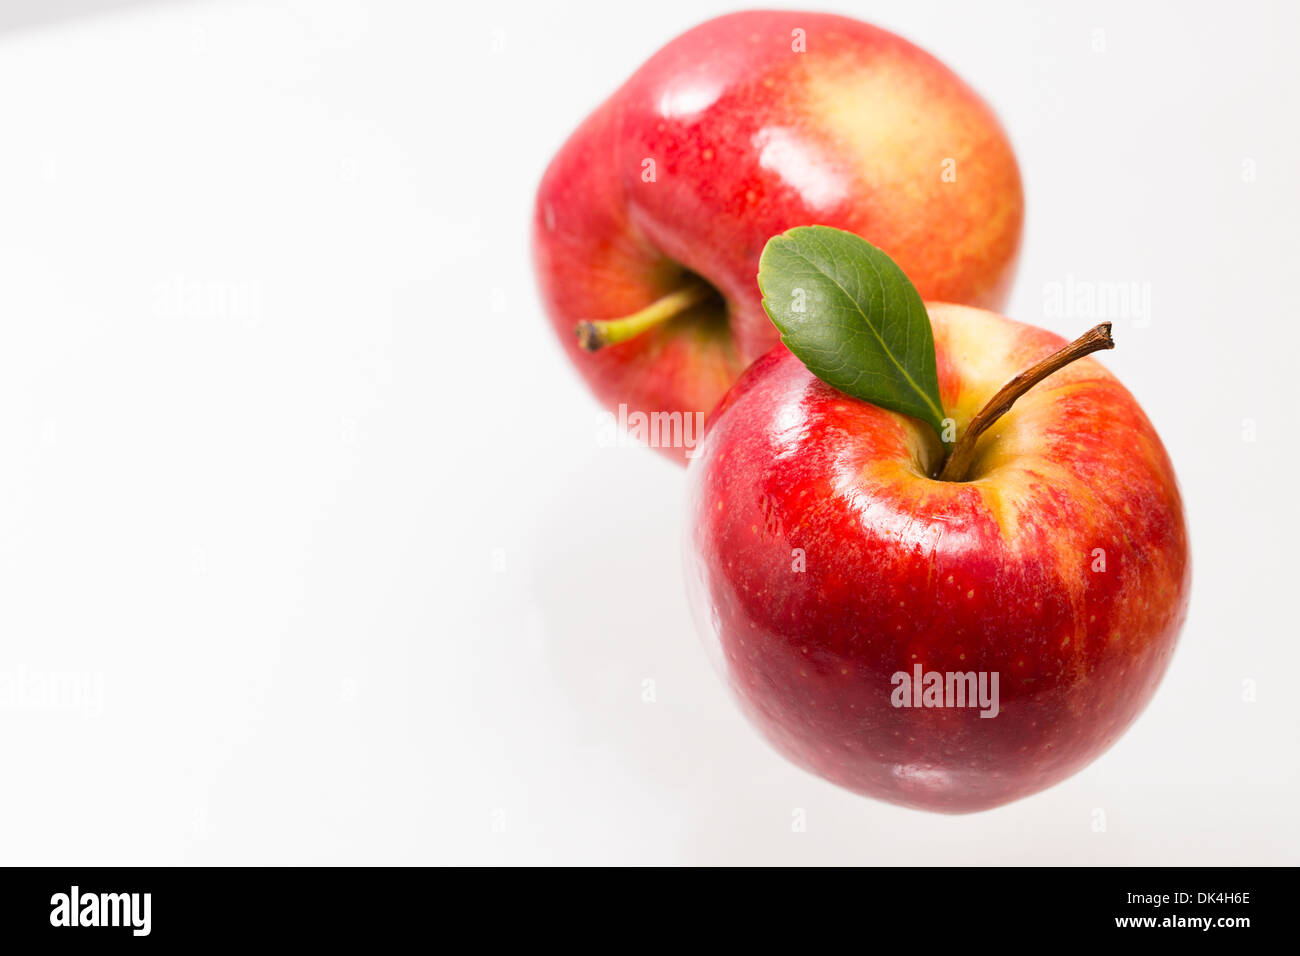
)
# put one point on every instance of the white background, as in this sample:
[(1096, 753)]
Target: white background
[(276, 398)]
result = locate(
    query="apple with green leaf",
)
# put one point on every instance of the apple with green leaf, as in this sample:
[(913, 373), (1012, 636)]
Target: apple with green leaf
[(941, 555), (650, 221)]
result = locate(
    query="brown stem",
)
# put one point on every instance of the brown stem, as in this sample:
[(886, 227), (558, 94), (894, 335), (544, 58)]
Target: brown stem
[(963, 453)]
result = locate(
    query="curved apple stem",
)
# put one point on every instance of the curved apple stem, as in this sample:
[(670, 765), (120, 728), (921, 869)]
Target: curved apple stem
[(963, 453), (596, 334)]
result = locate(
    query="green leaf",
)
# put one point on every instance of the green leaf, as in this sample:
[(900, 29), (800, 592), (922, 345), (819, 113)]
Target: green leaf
[(852, 316)]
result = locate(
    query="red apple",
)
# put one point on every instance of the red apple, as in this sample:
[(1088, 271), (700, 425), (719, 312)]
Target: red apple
[(825, 561), (737, 130)]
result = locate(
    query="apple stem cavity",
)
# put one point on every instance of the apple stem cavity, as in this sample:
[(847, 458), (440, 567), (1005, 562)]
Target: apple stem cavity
[(957, 467), (598, 333)]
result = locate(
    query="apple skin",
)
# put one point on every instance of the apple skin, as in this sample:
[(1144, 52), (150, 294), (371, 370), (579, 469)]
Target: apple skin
[(994, 574), (750, 138)]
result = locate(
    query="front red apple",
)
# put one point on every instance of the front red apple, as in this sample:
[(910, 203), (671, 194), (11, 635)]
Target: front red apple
[(741, 128), (826, 564)]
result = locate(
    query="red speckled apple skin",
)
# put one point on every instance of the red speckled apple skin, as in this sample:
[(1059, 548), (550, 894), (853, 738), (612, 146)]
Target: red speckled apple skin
[(751, 131), (1063, 567)]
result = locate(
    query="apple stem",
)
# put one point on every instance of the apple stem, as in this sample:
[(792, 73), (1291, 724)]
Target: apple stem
[(596, 334), (963, 453)]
